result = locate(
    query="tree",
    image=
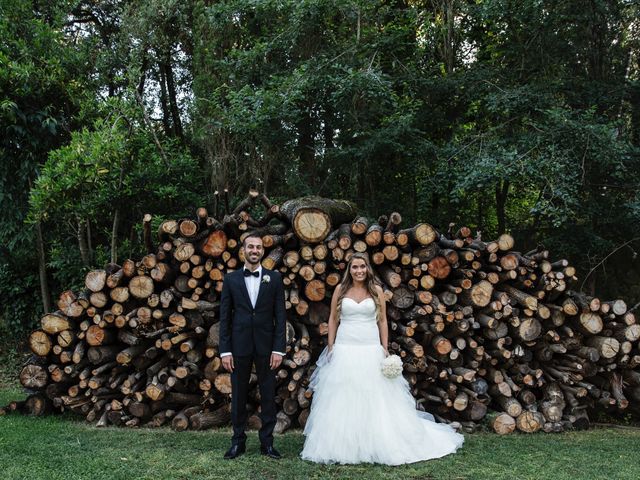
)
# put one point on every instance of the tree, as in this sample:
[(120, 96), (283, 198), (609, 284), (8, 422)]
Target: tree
[(108, 176), (39, 85), (501, 115)]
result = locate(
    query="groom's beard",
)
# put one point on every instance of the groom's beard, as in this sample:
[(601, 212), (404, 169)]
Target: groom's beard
[(255, 260)]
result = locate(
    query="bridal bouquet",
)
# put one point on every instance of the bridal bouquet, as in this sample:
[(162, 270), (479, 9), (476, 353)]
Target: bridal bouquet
[(392, 366)]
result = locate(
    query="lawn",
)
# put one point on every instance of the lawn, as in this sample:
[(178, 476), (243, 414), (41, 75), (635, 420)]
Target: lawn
[(63, 447)]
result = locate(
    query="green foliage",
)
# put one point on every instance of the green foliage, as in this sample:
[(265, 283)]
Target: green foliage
[(496, 114), (39, 85), (501, 115), (113, 167), (20, 312), (65, 264), (312, 104), (88, 169)]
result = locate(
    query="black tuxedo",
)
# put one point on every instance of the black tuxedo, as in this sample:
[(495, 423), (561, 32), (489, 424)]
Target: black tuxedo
[(251, 334)]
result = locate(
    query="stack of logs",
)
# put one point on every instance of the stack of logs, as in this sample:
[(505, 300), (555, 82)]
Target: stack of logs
[(480, 327)]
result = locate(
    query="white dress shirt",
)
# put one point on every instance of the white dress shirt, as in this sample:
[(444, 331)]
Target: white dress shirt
[(253, 285), (253, 288)]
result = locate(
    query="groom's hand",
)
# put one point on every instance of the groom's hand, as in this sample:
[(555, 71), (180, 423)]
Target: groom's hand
[(227, 363), (276, 360)]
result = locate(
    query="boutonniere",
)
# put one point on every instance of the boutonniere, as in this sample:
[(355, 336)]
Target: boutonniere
[(266, 278)]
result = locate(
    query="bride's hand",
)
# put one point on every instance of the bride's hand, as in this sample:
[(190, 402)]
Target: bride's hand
[(386, 352)]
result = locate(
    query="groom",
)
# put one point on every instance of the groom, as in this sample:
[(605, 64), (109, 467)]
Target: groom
[(252, 330)]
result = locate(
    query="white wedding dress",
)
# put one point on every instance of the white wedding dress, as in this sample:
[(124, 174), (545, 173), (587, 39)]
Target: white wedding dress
[(359, 415)]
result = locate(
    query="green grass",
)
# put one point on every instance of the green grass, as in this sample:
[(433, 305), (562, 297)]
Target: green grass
[(63, 447)]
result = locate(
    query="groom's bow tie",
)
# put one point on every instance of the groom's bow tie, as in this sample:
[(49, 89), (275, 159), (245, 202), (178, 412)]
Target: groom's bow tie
[(248, 273)]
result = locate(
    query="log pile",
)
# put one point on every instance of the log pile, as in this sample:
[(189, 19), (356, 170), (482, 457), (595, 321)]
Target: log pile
[(486, 333)]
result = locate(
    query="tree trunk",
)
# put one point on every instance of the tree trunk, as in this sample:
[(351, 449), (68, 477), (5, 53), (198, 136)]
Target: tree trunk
[(173, 99), (306, 149), (114, 236), (45, 294), (328, 130), (143, 69), (82, 243), (312, 218), (163, 101), (89, 242), (502, 192), (116, 218), (634, 102), (447, 46)]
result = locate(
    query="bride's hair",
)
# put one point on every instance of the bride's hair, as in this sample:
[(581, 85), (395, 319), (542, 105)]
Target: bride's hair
[(369, 282)]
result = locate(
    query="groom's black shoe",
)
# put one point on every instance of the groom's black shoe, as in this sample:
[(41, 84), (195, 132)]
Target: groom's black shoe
[(270, 452), (234, 451)]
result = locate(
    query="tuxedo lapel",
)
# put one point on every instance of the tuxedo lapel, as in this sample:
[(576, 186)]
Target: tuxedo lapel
[(243, 286), (263, 284)]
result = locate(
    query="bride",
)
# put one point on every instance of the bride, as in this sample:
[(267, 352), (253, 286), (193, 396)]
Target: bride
[(359, 415)]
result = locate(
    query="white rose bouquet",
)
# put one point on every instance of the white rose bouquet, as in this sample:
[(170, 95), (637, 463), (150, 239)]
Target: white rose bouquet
[(392, 366)]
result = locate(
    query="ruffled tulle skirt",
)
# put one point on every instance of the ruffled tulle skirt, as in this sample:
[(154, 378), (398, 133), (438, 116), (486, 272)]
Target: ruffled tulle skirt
[(360, 416)]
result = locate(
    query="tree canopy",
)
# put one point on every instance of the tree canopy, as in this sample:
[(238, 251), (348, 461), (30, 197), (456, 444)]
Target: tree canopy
[(520, 116)]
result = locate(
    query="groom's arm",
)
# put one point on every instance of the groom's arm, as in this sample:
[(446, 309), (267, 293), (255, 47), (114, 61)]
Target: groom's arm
[(225, 324)]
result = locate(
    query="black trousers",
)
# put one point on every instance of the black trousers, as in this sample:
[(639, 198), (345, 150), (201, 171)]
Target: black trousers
[(240, 390)]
